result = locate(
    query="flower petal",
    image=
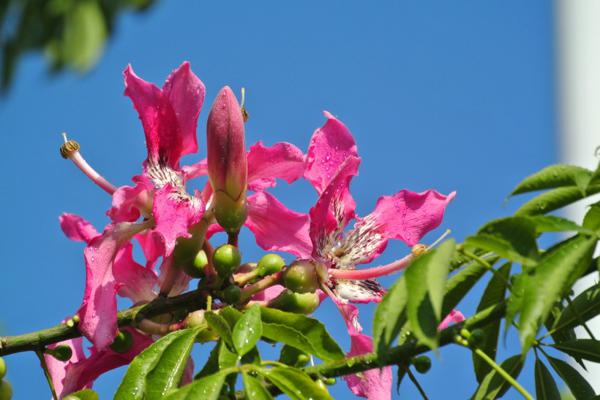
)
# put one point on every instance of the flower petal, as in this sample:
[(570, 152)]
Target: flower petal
[(374, 384), (282, 160), (359, 291), (76, 228), (174, 214), (334, 208), (195, 170), (170, 115), (58, 369), (269, 293), (82, 373), (172, 279), (329, 147), (265, 219), (133, 280), (454, 317), (98, 311), (408, 216), (127, 200)]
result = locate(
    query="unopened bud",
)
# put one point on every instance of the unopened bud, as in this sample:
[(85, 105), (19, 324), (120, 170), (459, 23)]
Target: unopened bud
[(226, 259), (227, 163), (195, 268), (300, 303), (122, 343), (196, 319), (422, 364), (270, 264), (232, 294), (301, 277), (61, 352)]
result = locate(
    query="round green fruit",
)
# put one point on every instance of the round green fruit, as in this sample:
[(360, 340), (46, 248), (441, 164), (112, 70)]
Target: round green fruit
[(196, 319), (270, 264), (232, 294), (6, 391), (2, 368), (301, 277), (122, 343), (226, 259), (61, 352), (422, 364), (195, 269), (300, 303)]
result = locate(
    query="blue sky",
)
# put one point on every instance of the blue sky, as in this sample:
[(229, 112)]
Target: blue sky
[(446, 95)]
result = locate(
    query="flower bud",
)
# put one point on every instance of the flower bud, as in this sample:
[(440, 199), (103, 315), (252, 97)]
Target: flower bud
[(196, 319), (2, 368), (232, 294), (195, 268), (227, 163), (269, 264), (61, 352), (122, 343), (300, 303), (422, 364), (6, 391), (226, 259), (301, 277)]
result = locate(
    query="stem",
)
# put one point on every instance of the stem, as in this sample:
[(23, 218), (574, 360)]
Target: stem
[(190, 301), (485, 264), (507, 377), (368, 273), (264, 283), (40, 355), (413, 379)]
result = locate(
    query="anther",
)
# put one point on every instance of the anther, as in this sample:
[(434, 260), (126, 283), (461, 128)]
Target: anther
[(418, 249), (69, 147)]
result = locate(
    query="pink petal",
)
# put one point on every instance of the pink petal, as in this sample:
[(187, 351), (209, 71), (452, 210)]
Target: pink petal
[(174, 215), (408, 216), (82, 373), (178, 280), (77, 228), (127, 200), (98, 311), (58, 369), (454, 317), (359, 291), (329, 147), (133, 280), (335, 207), (195, 170), (277, 228), (282, 160), (170, 115), (374, 384), (269, 293), (152, 246)]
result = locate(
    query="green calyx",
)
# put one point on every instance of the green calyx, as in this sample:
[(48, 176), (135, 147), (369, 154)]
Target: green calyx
[(301, 277), (61, 352), (229, 213), (122, 343), (300, 303), (269, 264), (226, 259)]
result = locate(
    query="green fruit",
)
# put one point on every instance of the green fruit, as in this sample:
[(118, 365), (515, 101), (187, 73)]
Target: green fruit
[(196, 320), (232, 294), (422, 364), (195, 269), (226, 259), (301, 277), (61, 352), (302, 360), (2, 368), (329, 381), (269, 264), (476, 338), (122, 343), (300, 303), (6, 391)]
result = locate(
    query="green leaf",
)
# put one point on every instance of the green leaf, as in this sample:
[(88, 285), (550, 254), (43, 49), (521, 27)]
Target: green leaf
[(247, 330), (219, 325), (255, 389), (85, 394), (552, 278), (83, 36), (295, 383), (545, 387), (582, 308), (459, 284), (494, 294), (158, 368), (494, 385), (552, 223), (555, 176), (390, 315), (588, 349), (555, 199), (515, 300), (302, 332), (425, 285), (591, 220), (206, 388), (511, 238), (292, 356), (577, 384)]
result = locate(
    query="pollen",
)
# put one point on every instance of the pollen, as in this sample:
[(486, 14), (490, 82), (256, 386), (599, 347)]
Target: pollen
[(418, 249), (68, 148)]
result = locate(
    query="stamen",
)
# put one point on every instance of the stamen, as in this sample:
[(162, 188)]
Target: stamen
[(70, 150), (375, 272), (245, 114)]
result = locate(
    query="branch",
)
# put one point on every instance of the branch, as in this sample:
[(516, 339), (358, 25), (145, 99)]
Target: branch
[(189, 301)]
